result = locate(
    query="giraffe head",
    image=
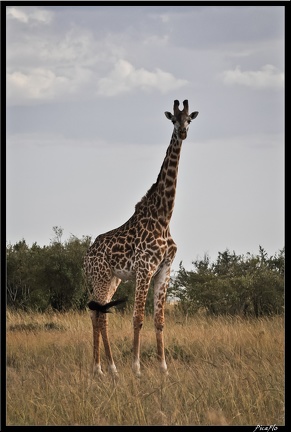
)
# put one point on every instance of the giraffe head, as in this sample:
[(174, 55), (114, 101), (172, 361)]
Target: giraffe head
[(181, 119)]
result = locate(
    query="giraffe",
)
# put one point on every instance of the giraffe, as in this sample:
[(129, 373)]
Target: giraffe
[(141, 249)]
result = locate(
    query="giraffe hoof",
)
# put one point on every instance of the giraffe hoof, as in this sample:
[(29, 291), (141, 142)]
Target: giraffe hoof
[(136, 370), (97, 370), (163, 368), (112, 369)]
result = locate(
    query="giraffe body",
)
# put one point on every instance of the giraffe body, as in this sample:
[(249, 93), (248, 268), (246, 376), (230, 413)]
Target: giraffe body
[(141, 249)]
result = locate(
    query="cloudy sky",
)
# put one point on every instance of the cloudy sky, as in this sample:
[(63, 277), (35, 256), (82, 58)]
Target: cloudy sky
[(87, 88)]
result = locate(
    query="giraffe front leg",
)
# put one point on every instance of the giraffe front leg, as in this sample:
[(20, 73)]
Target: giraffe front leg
[(136, 346), (142, 287), (161, 281), (159, 326)]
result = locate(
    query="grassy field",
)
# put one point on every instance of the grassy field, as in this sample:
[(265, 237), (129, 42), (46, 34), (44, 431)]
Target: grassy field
[(222, 371)]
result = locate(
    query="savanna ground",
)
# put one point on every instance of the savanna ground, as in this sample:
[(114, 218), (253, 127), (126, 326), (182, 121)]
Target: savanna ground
[(222, 371)]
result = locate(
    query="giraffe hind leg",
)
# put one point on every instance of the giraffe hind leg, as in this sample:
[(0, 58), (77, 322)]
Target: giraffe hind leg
[(103, 293), (96, 343)]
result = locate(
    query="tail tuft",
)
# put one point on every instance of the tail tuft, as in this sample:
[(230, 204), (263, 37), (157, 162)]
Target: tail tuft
[(92, 305)]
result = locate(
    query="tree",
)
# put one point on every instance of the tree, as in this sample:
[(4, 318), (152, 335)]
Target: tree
[(49, 276), (234, 284), (18, 274), (52, 276)]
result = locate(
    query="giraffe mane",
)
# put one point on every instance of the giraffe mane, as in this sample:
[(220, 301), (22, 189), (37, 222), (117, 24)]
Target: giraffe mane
[(151, 190)]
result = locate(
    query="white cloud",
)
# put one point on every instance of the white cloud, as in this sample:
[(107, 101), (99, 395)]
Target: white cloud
[(30, 15), (56, 66), (41, 15), (17, 14), (36, 85), (267, 77), (124, 78), (74, 46), (165, 18), (155, 40)]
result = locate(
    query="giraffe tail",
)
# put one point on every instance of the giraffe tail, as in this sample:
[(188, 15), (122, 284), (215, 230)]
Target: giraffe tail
[(105, 308)]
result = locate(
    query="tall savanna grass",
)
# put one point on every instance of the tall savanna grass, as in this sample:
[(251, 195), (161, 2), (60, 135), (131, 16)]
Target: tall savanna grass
[(222, 371)]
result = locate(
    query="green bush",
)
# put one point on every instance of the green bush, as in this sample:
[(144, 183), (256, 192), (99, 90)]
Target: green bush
[(234, 284), (52, 277)]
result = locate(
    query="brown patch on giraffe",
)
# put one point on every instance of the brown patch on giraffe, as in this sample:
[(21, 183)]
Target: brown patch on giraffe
[(171, 173), (170, 193), (169, 183), (117, 248), (173, 163)]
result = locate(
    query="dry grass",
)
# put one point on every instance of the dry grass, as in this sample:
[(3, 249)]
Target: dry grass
[(223, 371)]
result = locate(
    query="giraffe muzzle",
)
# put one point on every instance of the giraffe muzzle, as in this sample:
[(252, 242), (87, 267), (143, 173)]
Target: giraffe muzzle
[(183, 134)]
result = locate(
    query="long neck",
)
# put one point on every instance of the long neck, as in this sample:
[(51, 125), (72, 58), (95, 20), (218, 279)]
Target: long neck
[(160, 199)]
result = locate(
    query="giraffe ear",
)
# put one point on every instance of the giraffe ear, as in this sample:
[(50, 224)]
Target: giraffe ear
[(169, 115), (194, 114)]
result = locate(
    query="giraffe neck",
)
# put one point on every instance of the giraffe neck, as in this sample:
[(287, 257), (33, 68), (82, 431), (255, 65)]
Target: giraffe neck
[(159, 200)]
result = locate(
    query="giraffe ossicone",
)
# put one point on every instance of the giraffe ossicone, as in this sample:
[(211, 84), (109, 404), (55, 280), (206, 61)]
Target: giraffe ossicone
[(141, 249)]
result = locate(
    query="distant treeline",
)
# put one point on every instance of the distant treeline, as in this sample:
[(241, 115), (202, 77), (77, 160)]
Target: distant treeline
[(234, 284), (39, 278)]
